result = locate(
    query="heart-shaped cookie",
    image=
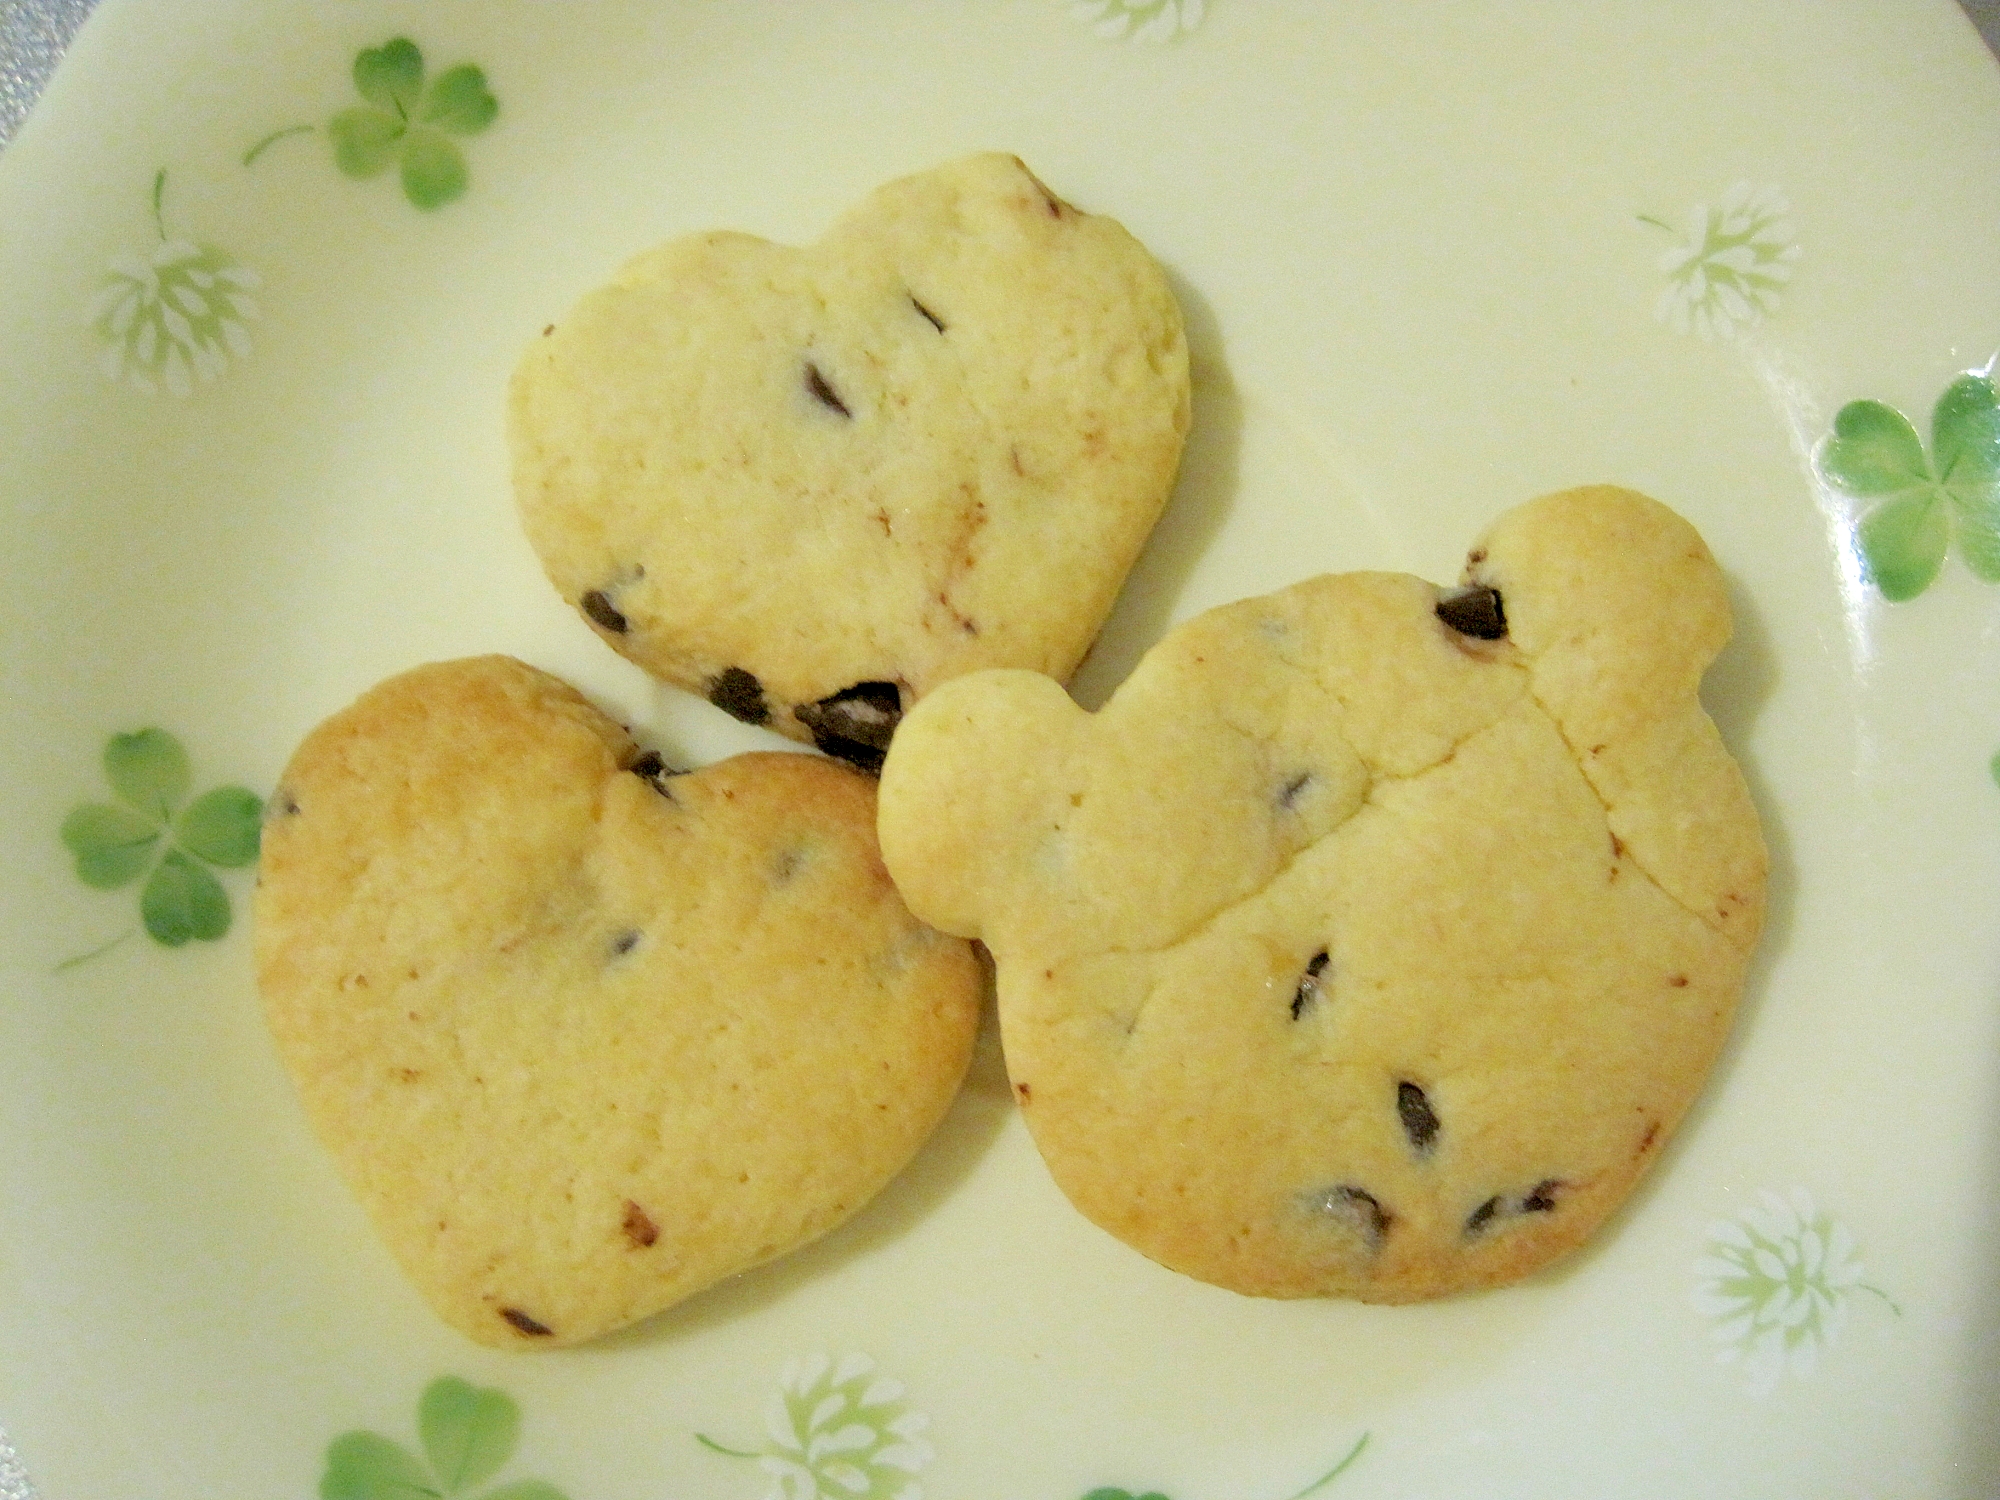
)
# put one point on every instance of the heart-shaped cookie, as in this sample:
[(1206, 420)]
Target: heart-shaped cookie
[(813, 483), (585, 1036), (1373, 938)]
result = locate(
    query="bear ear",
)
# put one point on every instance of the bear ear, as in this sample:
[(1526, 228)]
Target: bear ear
[(1607, 589), (956, 814), (1618, 607)]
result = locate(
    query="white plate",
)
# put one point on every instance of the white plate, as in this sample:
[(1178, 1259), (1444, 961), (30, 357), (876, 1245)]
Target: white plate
[(1428, 255)]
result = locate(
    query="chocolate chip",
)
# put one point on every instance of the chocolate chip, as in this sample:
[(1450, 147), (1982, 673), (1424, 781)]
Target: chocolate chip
[(652, 769), (639, 1227), (597, 604), (935, 321), (739, 695), (855, 724), (1420, 1121), (1481, 1216), (525, 1324), (1307, 994), (823, 393), (1475, 611), (1360, 1210), (1542, 1199)]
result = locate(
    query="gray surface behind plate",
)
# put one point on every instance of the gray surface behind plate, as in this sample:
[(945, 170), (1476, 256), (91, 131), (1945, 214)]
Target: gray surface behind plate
[(33, 34)]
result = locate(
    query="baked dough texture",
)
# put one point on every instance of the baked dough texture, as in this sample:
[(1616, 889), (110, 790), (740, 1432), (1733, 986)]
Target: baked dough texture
[(812, 483), (1345, 952), (583, 1035)]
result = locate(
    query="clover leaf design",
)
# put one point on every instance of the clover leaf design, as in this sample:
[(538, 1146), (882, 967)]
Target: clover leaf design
[(1925, 500), (410, 124), (468, 1434), (149, 832)]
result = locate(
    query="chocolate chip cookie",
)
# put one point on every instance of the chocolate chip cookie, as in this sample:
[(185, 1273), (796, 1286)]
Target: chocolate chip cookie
[(1374, 937), (585, 1035), (813, 483)]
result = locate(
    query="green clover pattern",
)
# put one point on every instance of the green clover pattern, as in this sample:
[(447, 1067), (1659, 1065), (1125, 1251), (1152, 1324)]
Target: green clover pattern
[(409, 123), (467, 1433), (152, 831), (1924, 501)]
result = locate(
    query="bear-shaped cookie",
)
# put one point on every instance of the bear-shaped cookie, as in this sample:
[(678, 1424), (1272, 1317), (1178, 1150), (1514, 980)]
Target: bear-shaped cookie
[(811, 483), (1373, 938), (583, 1035)]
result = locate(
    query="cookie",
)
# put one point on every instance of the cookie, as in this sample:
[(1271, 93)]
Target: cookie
[(1373, 938), (584, 1035), (813, 483)]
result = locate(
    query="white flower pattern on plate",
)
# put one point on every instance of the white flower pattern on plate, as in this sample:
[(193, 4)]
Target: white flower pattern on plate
[(1776, 1282), (1726, 273), (840, 1431), (1147, 20), (175, 317)]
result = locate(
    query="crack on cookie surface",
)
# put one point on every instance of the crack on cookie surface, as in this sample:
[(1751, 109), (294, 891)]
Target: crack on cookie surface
[(1624, 850), (1526, 664), (1200, 926), (958, 560), (930, 317)]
